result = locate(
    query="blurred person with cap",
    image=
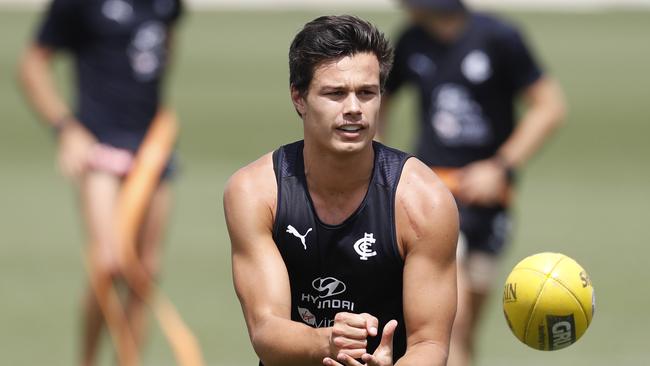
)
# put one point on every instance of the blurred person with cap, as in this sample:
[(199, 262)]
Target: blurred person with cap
[(469, 70)]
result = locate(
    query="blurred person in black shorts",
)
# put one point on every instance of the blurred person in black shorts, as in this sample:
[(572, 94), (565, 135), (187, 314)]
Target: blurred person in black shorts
[(469, 70), (120, 50)]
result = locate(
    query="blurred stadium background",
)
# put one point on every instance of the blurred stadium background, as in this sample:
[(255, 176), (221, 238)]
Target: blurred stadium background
[(587, 195)]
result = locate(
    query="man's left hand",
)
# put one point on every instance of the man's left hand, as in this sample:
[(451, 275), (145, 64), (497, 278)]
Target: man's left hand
[(482, 183)]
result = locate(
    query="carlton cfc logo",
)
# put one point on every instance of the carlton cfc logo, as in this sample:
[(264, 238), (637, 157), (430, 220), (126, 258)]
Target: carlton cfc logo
[(363, 246)]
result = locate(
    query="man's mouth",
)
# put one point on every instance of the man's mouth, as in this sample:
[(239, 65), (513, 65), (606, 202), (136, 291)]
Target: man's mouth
[(350, 128)]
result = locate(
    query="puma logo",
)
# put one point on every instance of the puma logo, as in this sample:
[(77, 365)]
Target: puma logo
[(292, 230)]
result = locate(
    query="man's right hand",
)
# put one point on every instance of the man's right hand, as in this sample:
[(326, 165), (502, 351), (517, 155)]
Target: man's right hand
[(75, 143), (383, 355), (350, 332)]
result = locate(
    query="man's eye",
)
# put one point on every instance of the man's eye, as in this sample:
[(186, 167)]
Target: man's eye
[(367, 92)]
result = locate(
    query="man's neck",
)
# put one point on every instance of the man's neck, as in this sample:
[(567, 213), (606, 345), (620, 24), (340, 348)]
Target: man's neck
[(330, 173), (449, 27)]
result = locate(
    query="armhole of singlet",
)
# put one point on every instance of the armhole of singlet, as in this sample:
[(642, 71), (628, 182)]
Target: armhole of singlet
[(277, 161), (393, 196)]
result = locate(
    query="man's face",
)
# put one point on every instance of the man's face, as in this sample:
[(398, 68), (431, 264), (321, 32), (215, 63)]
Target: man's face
[(341, 106)]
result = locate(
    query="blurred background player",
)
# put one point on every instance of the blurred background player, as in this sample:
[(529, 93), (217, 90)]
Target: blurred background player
[(469, 70), (120, 50)]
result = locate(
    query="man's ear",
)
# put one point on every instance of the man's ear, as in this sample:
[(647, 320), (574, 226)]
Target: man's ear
[(298, 101)]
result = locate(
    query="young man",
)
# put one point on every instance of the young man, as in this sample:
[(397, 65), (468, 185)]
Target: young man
[(343, 250), (120, 51), (469, 70)]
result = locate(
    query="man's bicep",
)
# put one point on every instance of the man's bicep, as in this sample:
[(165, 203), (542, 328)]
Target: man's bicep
[(429, 299), (37, 53), (260, 280), (543, 91), (259, 274), (430, 258)]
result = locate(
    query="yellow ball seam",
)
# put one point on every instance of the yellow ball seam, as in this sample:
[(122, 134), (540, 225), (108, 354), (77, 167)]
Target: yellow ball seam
[(584, 312), (539, 295)]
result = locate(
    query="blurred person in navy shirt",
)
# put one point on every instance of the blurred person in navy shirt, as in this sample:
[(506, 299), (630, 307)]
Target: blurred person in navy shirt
[(469, 70)]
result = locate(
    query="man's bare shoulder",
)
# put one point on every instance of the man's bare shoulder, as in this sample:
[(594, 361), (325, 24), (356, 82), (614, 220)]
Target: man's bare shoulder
[(424, 206), (421, 187), (254, 181)]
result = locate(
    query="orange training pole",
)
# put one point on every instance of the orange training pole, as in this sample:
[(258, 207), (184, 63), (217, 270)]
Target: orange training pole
[(133, 201), (135, 197)]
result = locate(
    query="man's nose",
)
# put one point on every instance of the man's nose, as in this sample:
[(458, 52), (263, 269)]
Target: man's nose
[(352, 105)]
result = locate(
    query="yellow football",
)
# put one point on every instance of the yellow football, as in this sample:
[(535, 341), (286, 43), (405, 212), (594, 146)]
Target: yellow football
[(548, 301)]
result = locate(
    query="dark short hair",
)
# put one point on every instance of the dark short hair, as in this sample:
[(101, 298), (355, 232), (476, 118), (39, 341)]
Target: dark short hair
[(330, 38)]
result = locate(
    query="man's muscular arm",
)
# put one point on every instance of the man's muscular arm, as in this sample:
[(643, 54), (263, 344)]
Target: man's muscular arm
[(483, 181), (38, 85), (37, 82), (262, 283), (545, 113), (427, 227)]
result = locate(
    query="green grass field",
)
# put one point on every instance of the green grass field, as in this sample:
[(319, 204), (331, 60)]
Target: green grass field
[(586, 195)]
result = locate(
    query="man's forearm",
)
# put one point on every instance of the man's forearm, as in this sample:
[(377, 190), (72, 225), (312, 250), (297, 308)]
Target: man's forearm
[(545, 114), (38, 85), (283, 342), (425, 354), (531, 133)]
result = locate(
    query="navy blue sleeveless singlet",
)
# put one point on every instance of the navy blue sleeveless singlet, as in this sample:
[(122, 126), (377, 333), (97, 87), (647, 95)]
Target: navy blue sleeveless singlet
[(352, 267)]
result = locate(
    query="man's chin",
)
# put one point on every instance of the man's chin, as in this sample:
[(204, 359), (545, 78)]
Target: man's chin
[(351, 147)]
